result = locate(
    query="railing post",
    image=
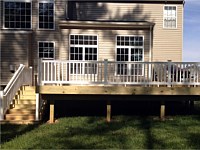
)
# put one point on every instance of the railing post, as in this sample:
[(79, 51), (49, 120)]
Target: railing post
[(105, 71), (39, 82), (31, 75), (37, 107), (169, 84), (39, 72), (1, 106), (149, 73)]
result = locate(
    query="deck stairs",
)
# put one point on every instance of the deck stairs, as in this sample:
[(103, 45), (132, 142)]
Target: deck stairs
[(22, 111)]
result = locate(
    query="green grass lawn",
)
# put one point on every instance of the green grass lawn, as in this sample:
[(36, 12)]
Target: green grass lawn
[(124, 132)]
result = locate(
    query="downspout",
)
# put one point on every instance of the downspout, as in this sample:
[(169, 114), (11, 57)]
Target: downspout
[(150, 45), (182, 31), (150, 54), (66, 10)]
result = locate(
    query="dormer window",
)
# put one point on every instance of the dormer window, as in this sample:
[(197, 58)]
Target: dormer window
[(170, 17)]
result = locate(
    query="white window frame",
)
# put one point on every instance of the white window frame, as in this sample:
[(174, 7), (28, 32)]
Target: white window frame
[(30, 1), (53, 49), (46, 1), (83, 46), (129, 54), (166, 16)]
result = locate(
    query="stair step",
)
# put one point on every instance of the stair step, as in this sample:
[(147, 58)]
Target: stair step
[(28, 97), (23, 111), (25, 101), (19, 122), (24, 106), (29, 88), (20, 117), (29, 92)]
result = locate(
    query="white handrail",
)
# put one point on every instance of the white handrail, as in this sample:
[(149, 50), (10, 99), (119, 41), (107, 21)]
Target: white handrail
[(21, 77), (13, 79), (112, 72)]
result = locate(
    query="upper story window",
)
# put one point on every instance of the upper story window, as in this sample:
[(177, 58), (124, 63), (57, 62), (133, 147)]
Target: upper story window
[(46, 14), (170, 17), (46, 50), (17, 14)]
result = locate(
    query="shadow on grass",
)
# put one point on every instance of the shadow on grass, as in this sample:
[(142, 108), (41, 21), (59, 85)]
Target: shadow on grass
[(98, 135), (123, 132), (10, 131), (194, 140)]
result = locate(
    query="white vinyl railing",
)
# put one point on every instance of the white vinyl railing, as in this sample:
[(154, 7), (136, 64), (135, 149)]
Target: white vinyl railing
[(126, 73), (23, 76)]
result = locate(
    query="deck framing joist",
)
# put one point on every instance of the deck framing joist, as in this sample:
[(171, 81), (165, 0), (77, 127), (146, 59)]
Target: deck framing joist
[(118, 90)]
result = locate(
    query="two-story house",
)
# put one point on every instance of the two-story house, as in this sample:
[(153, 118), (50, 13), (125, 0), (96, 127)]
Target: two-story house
[(80, 30), (93, 42)]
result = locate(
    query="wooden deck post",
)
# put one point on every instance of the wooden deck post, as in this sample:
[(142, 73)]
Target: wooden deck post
[(51, 114), (162, 110), (191, 106), (108, 117)]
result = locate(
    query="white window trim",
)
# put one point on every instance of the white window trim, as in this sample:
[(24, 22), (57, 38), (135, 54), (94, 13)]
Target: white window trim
[(83, 46), (54, 43), (29, 1), (171, 28), (46, 1), (129, 53)]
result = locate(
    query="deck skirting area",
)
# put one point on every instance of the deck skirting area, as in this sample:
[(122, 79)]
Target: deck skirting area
[(111, 93)]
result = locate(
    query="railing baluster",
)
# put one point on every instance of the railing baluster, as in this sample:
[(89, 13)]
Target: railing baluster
[(133, 73), (105, 70), (48, 73), (44, 77), (62, 75)]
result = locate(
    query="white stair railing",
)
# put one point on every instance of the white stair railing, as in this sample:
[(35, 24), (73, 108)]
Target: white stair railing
[(23, 76)]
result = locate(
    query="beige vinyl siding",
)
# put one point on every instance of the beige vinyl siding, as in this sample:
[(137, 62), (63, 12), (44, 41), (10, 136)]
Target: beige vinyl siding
[(106, 42), (54, 35), (167, 43), (14, 51)]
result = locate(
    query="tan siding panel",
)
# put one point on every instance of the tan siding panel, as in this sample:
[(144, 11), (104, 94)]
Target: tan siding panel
[(167, 44), (14, 51), (140, 12)]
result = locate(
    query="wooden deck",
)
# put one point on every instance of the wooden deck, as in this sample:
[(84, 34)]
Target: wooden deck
[(110, 93), (118, 90), (107, 79)]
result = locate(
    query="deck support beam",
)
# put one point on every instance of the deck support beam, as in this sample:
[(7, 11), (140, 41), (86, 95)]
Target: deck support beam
[(108, 115), (191, 106), (162, 110), (51, 114)]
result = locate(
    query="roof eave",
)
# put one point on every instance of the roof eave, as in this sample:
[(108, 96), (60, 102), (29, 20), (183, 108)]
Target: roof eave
[(104, 25)]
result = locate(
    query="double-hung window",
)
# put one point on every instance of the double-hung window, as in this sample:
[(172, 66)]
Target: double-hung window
[(170, 17), (46, 14), (83, 48), (46, 49), (17, 14), (129, 49)]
